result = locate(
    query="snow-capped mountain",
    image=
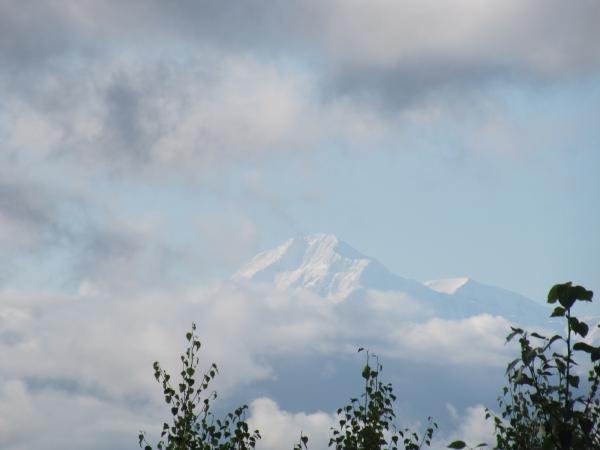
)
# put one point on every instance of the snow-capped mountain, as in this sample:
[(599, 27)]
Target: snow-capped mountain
[(323, 264), (491, 299), (332, 269)]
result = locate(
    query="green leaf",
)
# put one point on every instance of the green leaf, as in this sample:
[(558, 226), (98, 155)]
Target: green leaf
[(567, 299), (514, 332), (556, 291), (366, 372), (579, 327), (457, 444), (512, 364), (559, 311), (586, 424), (582, 346), (582, 293), (567, 295)]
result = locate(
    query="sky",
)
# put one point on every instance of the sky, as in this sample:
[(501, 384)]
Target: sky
[(149, 149)]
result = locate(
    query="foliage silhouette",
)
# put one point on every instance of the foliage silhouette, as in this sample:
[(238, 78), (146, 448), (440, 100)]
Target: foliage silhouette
[(543, 407), (194, 426), (368, 422)]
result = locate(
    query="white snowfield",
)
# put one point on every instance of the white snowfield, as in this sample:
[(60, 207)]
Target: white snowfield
[(332, 269)]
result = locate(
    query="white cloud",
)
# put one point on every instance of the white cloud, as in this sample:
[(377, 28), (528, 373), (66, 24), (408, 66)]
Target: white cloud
[(471, 427), (474, 340), (96, 348), (281, 429), (51, 418)]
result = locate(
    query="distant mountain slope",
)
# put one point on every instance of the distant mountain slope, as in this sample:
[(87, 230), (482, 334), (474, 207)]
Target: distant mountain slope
[(322, 264), (491, 299), (332, 269)]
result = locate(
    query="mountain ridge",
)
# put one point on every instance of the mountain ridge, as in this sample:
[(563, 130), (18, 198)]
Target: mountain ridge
[(331, 268), (321, 263)]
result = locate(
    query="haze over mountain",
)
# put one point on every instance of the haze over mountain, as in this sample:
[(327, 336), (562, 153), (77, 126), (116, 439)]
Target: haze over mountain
[(334, 270)]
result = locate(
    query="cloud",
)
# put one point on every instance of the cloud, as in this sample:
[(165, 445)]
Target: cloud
[(48, 418), (478, 339), (95, 348), (118, 117), (27, 215), (471, 427), (449, 44), (241, 325), (200, 85), (542, 35), (90, 355), (211, 110), (63, 227), (281, 429)]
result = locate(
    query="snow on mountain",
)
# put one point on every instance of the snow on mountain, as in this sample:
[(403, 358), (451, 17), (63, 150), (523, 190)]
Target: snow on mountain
[(322, 264), (328, 267), (448, 285), (491, 299)]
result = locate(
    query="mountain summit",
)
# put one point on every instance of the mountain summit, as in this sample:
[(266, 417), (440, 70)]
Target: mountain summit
[(332, 269), (321, 263)]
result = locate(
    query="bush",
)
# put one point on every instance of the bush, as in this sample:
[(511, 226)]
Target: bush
[(368, 422), (194, 426), (545, 406)]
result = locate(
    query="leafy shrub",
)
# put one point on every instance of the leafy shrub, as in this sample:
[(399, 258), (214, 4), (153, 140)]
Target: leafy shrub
[(545, 406), (367, 422), (194, 426)]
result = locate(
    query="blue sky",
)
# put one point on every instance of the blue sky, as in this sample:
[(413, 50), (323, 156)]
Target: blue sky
[(153, 148)]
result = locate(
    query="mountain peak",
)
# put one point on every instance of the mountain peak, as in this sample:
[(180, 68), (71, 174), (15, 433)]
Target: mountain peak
[(447, 285), (332, 269), (321, 263)]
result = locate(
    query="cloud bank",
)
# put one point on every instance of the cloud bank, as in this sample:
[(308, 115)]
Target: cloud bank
[(91, 354), (122, 86)]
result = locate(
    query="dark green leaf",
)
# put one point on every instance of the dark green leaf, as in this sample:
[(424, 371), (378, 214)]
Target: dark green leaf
[(582, 346), (556, 291)]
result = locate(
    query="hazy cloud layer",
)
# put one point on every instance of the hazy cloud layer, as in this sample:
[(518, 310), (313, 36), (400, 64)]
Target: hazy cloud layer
[(92, 352), (537, 37), (125, 84)]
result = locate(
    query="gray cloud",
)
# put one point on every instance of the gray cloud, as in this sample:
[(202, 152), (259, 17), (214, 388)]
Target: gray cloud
[(32, 33), (43, 225), (498, 38), (123, 124), (130, 83)]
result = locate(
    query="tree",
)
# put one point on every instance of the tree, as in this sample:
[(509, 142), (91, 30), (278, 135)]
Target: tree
[(194, 426), (367, 423), (545, 406)]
